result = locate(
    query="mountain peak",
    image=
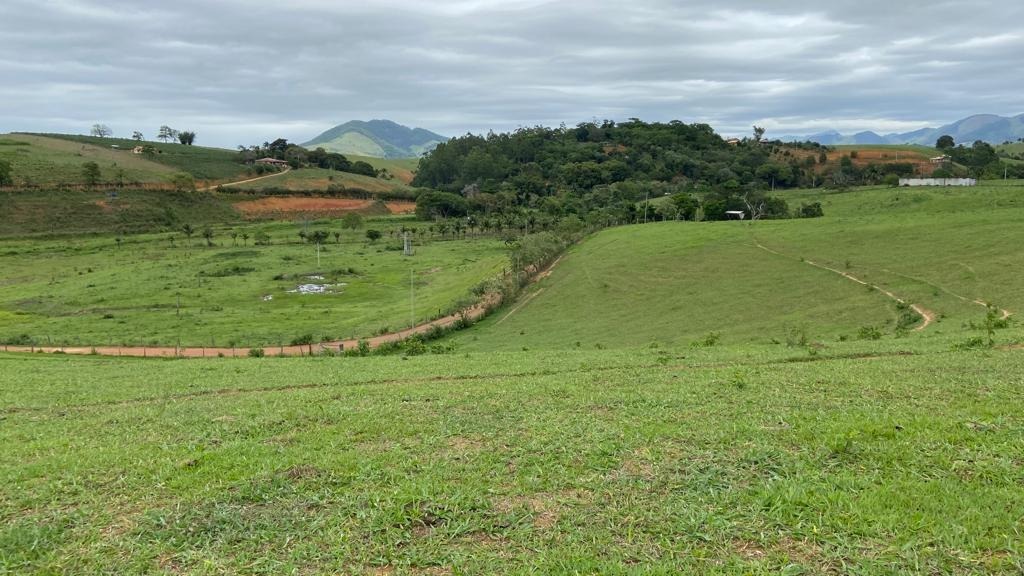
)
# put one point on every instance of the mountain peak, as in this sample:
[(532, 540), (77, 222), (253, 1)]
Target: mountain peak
[(378, 138), (989, 128)]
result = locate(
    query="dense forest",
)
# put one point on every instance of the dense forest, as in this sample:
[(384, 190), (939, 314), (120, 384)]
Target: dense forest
[(601, 171)]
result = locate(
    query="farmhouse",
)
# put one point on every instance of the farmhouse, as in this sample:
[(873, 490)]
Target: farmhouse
[(940, 159), (271, 162), (733, 141)]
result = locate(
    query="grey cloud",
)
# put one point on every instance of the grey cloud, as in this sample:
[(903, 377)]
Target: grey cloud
[(240, 72)]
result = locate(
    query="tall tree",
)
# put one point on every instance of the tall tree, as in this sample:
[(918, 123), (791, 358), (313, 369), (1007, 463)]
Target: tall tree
[(137, 136), (101, 130), (945, 142), (187, 137)]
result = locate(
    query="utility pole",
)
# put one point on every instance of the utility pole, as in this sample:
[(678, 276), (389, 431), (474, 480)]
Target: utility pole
[(412, 298), (647, 198)]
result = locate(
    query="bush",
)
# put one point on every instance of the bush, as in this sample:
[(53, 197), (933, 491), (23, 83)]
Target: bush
[(256, 353), (812, 210), (869, 333), (707, 341), (304, 340)]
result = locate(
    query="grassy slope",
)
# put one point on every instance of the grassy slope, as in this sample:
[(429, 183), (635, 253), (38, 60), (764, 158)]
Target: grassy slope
[(674, 282), (37, 160), (214, 164), (64, 290), (614, 463), (402, 168), (320, 179), (72, 212)]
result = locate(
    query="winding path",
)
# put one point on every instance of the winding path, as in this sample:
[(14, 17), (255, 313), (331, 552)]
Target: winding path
[(927, 316), (286, 170)]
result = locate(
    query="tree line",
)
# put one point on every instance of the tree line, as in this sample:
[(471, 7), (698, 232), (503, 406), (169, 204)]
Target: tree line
[(299, 157)]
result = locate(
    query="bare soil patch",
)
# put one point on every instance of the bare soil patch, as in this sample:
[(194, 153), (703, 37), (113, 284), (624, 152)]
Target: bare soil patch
[(291, 205), (400, 207)]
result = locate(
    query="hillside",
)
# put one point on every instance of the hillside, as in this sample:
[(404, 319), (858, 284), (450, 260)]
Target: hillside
[(377, 139), (673, 283), (204, 163), (43, 161)]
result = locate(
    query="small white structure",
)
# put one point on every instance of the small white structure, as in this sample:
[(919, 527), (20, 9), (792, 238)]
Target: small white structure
[(938, 182), (735, 214), (940, 159)]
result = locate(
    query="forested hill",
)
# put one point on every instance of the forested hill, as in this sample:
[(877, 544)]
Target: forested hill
[(542, 161)]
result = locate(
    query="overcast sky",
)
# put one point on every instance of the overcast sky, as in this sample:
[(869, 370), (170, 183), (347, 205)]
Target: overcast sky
[(241, 72)]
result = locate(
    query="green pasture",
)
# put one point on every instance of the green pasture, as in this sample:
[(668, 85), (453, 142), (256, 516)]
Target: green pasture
[(95, 290), (679, 282), (319, 179), (40, 161), (202, 162), (738, 460)]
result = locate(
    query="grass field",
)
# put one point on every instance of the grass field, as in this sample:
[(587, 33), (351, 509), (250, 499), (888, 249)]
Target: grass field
[(73, 212), (36, 160), (204, 163), (738, 461), (675, 283), (674, 398), (318, 179), (90, 290)]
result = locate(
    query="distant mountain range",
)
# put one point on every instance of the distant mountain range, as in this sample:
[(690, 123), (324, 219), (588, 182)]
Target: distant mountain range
[(377, 139), (985, 127)]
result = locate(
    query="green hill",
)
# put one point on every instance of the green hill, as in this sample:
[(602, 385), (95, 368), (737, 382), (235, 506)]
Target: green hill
[(44, 161), (377, 139), (673, 283), (204, 163)]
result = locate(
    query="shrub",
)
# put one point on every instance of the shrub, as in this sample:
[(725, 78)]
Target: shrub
[(869, 333), (709, 340), (256, 353), (303, 340)]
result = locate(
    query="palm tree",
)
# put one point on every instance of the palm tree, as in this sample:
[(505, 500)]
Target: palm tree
[(245, 238), (189, 231), (234, 238), (208, 234)]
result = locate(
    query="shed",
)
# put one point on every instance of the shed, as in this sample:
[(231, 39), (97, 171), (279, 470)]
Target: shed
[(737, 214)]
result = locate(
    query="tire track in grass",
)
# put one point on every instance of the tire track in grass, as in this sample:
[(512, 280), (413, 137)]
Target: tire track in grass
[(1003, 311), (927, 316)]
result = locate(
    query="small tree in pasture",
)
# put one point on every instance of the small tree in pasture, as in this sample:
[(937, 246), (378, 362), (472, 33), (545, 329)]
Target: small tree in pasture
[(101, 130), (188, 231), (245, 238), (5, 173), (208, 235), (91, 173), (373, 235), (352, 221), (137, 136), (186, 137)]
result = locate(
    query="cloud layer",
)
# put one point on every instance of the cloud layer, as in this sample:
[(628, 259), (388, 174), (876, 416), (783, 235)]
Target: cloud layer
[(242, 72)]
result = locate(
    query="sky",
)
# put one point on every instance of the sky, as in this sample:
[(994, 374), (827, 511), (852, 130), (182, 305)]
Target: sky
[(244, 72)]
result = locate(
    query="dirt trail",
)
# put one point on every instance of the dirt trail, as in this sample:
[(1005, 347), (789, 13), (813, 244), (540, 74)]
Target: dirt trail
[(927, 316), (286, 170), (474, 312), (1004, 313)]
